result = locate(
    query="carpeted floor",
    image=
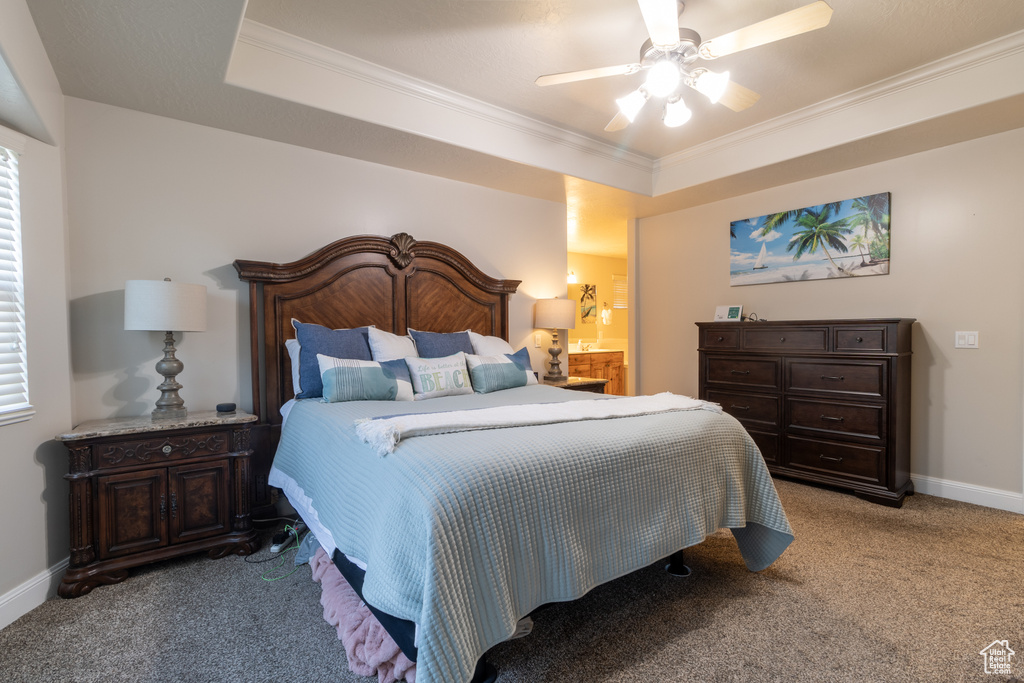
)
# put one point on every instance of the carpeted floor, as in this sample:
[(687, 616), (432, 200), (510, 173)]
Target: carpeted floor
[(865, 593)]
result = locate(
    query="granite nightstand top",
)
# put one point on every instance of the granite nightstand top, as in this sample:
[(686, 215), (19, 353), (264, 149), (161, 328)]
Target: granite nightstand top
[(142, 424), (574, 382)]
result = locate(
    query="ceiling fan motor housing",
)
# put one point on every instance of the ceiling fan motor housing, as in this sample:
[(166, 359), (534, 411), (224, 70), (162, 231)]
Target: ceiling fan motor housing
[(684, 54)]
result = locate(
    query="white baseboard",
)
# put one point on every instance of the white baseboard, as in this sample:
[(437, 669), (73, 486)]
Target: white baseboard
[(968, 493), (29, 595)]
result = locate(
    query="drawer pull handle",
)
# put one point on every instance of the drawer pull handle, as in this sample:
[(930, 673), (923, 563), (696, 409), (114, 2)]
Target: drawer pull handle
[(736, 407), (721, 339), (833, 378), (782, 339), (163, 508), (174, 506), (740, 372), (166, 449), (831, 419), (829, 458), (860, 339)]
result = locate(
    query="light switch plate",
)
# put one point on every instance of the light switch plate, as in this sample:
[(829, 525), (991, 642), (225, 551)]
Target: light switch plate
[(966, 340), (536, 340)]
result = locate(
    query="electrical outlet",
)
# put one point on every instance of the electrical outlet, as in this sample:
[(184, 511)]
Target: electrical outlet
[(536, 340), (966, 340)]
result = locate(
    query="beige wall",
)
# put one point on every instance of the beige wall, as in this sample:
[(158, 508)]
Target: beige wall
[(957, 245), (33, 493), (598, 270), (150, 197)]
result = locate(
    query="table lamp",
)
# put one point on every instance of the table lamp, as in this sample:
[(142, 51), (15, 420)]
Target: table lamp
[(555, 314), (169, 307)]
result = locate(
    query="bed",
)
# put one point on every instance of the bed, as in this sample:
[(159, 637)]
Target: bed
[(452, 537)]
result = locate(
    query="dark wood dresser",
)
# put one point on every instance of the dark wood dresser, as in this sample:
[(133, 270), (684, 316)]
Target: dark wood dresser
[(826, 401)]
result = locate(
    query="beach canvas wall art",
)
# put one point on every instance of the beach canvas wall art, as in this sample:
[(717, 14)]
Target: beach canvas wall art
[(849, 238), (588, 304)]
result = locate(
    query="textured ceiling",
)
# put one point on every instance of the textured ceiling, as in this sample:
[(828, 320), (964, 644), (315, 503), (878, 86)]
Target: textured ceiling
[(170, 58)]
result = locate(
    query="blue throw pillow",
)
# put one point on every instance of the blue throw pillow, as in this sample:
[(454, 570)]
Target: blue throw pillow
[(522, 359), (440, 344), (314, 339)]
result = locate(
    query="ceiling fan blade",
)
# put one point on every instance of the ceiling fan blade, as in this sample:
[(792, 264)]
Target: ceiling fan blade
[(801, 20), (738, 98), (618, 123), (586, 74), (662, 20)]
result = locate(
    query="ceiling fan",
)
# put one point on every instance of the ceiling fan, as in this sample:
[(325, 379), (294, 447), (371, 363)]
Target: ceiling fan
[(670, 53)]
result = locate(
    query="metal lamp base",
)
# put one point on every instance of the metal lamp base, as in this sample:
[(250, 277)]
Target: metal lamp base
[(169, 406), (554, 373)]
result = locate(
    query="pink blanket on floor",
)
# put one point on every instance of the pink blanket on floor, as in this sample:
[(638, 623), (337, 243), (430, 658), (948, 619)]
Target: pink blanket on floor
[(368, 646)]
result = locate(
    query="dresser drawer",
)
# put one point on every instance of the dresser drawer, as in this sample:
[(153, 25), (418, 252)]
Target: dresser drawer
[(860, 339), (852, 378), (721, 339), (761, 373), (768, 338), (850, 461), (750, 409), (830, 417), (164, 449)]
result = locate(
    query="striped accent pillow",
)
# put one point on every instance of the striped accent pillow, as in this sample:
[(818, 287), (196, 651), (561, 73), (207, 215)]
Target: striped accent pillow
[(364, 380), (506, 371)]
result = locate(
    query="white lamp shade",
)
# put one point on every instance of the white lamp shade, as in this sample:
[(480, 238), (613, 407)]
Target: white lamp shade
[(555, 314), (164, 306)]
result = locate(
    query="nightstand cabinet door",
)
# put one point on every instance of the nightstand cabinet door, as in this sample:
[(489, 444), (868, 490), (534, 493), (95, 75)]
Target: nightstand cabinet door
[(198, 501), (132, 511)]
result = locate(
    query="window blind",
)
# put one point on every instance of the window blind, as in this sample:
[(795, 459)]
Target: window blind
[(14, 405), (620, 291)]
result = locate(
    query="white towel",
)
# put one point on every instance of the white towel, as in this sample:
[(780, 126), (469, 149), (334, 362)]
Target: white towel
[(383, 434)]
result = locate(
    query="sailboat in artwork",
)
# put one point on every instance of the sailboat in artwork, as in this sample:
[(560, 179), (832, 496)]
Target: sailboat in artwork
[(759, 263)]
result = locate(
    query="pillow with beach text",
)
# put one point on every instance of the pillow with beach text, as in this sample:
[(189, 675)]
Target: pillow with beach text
[(436, 377)]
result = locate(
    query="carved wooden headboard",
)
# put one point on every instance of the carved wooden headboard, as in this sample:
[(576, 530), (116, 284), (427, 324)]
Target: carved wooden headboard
[(393, 283)]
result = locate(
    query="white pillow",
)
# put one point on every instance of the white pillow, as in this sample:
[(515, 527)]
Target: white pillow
[(293, 348), (435, 377), (489, 346), (385, 346)]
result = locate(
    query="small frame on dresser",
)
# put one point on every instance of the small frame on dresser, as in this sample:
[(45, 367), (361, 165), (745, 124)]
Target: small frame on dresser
[(728, 314)]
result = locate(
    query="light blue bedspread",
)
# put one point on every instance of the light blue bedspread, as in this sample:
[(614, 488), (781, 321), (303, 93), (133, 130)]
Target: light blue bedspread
[(465, 533)]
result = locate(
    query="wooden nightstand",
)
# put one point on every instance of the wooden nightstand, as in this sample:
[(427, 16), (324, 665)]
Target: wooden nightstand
[(144, 491), (592, 384)]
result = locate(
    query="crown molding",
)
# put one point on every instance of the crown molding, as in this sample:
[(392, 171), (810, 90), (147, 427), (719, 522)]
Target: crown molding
[(287, 45), (13, 140), (973, 58)]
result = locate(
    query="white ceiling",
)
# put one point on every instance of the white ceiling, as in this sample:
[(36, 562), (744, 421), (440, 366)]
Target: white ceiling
[(446, 87)]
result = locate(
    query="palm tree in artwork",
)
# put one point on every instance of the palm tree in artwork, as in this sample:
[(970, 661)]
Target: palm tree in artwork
[(774, 221), (872, 212), (817, 229), (860, 243)]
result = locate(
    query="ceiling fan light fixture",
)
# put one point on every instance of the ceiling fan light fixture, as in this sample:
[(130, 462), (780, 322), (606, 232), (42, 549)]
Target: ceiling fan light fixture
[(676, 113), (711, 84), (631, 104), (663, 78)]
